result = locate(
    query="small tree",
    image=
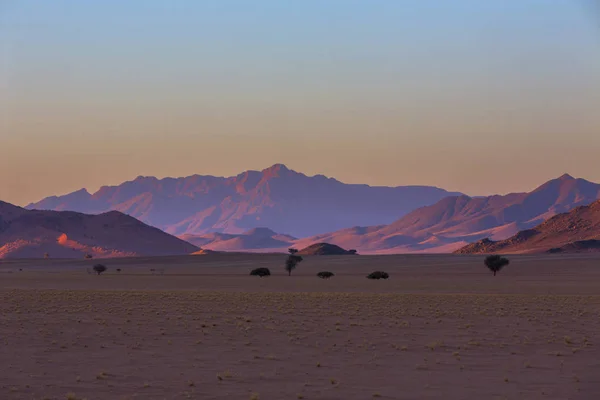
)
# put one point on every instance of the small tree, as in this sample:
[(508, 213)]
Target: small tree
[(292, 261), (99, 268), (378, 275), (325, 274), (260, 272), (495, 263)]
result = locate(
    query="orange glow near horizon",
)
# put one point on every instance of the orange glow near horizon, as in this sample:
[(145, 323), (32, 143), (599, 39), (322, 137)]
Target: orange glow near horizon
[(494, 97)]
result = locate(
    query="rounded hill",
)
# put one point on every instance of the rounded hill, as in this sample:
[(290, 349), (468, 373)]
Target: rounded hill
[(325, 249)]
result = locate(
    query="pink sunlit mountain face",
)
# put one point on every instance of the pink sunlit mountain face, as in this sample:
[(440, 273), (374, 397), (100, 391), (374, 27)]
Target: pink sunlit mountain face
[(577, 231), (456, 221)]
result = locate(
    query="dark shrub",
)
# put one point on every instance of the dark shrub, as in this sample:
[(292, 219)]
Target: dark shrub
[(260, 272), (325, 274), (378, 275), (88, 256), (495, 263), (118, 269), (99, 268), (292, 261)]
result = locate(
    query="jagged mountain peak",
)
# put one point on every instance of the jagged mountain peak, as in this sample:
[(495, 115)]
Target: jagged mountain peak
[(276, 197)]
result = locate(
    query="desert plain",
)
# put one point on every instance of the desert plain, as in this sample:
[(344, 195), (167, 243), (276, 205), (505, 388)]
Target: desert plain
[(199, 327)]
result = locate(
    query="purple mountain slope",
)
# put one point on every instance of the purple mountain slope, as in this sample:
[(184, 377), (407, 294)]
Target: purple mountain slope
[(281, 199)]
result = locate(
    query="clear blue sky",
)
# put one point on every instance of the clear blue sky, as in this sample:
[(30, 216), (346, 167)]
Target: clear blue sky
[(482, 96)]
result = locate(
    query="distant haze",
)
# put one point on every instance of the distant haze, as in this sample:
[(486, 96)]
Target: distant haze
[(474, 96)]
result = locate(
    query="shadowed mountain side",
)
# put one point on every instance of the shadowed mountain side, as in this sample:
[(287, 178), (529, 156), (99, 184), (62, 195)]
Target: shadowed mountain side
[(575, 231), (277, 197), (254, 239), (67, 234)]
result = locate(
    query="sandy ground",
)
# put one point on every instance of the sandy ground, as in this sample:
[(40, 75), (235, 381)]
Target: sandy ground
[(199, 327)]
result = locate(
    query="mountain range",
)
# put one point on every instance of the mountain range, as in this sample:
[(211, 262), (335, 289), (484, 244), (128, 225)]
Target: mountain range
[(281, 199), (66, 234), (444, 227), (246, 212), (572, 232), (456, 221)]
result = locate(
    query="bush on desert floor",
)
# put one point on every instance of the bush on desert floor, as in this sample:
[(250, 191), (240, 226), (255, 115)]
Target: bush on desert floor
[(118, 269), (378, 275), (292, 261), (99, 268), (325, 274), (260, 272), (495, 263)]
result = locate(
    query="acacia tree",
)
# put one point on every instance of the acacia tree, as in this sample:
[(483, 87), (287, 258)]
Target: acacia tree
[(99, 268), (292, 261), (495, 263)]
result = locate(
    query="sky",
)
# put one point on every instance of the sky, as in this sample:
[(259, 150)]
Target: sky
[(477, 96)]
